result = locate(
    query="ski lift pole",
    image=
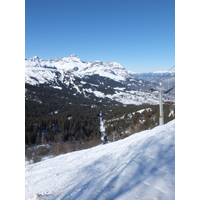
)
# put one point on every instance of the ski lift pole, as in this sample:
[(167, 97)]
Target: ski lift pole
[(161, 121), (161, 107), (161, 90)]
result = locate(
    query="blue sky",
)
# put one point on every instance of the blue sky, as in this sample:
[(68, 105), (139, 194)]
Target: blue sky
[(139, 34)]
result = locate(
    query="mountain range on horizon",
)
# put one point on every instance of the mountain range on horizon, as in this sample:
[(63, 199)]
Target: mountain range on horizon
[(75, 58), (102, 80)]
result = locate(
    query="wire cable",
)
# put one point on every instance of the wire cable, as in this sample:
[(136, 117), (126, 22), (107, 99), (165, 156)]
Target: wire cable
[(164, 74)]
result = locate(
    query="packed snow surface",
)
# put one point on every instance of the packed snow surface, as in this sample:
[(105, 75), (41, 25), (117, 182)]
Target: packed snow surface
[(141, 166)]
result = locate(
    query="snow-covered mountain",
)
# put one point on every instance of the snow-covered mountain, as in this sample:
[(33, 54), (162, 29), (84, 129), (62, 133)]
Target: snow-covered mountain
[(141, 166), (74, 66), (104, 80)]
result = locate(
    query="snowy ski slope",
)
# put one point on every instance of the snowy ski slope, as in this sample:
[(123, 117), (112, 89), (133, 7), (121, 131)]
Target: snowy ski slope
[(141, 166)]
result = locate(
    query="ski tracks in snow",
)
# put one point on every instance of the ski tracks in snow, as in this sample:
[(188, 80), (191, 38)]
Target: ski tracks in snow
[(141, 166)]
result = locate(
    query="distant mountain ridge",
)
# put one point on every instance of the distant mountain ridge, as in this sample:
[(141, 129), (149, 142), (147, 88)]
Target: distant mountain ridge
[(104, 80), (79, 68)]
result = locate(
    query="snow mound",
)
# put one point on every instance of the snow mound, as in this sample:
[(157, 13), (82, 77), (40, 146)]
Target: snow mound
[(141, 166)]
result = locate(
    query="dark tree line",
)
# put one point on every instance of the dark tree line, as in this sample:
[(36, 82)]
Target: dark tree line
[(139, 121), (77, 124), (53, 115)]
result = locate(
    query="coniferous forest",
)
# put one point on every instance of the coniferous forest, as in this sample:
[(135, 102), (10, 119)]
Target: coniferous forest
[(68, 122)]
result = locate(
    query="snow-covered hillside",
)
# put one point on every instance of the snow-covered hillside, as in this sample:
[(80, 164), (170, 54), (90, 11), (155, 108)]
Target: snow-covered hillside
[(72, 65), (141, 166), (104, 80)]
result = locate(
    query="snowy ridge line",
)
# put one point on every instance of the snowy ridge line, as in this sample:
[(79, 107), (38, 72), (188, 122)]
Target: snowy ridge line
[(141, 166), (90, 77), (78, 67)]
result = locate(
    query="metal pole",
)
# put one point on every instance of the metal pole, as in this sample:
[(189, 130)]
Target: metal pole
[(161, 108)]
